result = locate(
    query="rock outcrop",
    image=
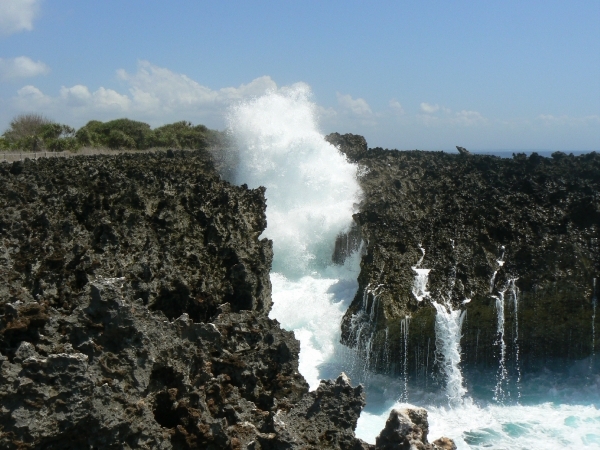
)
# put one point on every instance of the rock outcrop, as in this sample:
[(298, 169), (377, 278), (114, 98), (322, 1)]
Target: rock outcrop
[(407, 429), (134, 301), (487, 228)]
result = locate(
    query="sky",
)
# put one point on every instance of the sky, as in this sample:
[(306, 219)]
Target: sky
[(485, 75)]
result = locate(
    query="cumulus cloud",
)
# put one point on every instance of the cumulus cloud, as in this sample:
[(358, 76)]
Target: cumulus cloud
[(428, 108), (17, 15), (154, 94), (101, 99), (358, 107), (160, 89), (21, 67)]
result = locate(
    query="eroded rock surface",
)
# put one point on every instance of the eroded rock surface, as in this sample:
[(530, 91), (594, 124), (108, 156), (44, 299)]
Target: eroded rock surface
[(407, 429), (134, 301), (482, 221)]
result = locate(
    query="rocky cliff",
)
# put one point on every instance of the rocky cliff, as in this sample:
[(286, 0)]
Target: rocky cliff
[(134, 301), (520, 234)]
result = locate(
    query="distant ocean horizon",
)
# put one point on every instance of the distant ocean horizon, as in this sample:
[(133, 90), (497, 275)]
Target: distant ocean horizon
[(507, 153)]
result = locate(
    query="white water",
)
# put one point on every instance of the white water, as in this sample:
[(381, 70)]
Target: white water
[(311, 193), (448, 325), (420, 282)]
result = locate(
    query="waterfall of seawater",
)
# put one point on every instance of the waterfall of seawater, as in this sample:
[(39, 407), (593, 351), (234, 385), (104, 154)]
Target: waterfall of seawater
[(448, 326), (502, 389), (594, 304), (311, 192)]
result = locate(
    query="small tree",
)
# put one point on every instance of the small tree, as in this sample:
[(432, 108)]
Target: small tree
[(25, 126)]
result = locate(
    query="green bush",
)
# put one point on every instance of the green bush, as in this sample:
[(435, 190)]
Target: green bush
[(181, 135), (35, 133), (53, 131), (119, 139), (85, 137), (61, 144), (119, 133)]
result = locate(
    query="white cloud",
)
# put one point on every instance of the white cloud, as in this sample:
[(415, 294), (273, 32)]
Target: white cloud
[(17, 15), (429, 109), (101, 99), (396, 107), (154, 94), (159, 89), (21, 67), (462, 118), (358, 107), (468, 118), (32, 98)]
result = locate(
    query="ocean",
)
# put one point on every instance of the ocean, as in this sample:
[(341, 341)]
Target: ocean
[(312, 192)]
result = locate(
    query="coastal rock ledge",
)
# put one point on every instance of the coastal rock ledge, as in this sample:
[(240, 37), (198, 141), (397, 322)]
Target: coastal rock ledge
[(134, 301), (513, 244)]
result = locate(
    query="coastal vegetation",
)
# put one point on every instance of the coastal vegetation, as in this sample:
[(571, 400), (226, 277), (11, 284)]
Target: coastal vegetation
[(35, 132)]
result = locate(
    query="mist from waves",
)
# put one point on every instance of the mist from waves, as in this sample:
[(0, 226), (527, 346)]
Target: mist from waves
[(312, 192)]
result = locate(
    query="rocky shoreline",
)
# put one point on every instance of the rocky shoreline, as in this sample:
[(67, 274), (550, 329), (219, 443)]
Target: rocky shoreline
[(521, 232), (134, 301)]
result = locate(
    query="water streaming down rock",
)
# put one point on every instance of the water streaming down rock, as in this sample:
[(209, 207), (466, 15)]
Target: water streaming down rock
[(502, 389), (448, 326), (404, 326), (363, 328), (594, 305), (422, 275), (502, 375)]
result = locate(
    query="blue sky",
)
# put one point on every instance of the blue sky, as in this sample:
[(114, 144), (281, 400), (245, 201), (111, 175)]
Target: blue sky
[(405, 74)]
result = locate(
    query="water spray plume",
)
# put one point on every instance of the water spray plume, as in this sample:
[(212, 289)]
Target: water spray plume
[(311, 188)]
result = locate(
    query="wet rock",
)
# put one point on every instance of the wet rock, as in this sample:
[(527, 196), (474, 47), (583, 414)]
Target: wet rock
[(408, 429), (352, 145), (316, 421), (482, 221)]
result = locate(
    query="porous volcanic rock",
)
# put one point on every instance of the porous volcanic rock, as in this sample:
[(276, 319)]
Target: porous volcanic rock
[(407, 429), (483, 223), (134, 301)]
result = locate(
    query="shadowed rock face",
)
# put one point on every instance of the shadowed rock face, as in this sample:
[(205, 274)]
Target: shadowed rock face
[(134, 301), (530, 219)]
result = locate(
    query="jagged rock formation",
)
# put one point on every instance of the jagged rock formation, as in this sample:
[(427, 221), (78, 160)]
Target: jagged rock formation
[(482, 221), (134, 301), (408, 429), (463, 151)]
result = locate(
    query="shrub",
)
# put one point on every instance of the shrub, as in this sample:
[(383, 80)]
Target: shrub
[(25, 126), (119, 139), (119, 133), (61, 144), (55, 131), (181, 135), (87, 138)]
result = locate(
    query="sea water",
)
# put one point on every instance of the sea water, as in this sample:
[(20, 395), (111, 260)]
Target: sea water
[(312, 192)]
